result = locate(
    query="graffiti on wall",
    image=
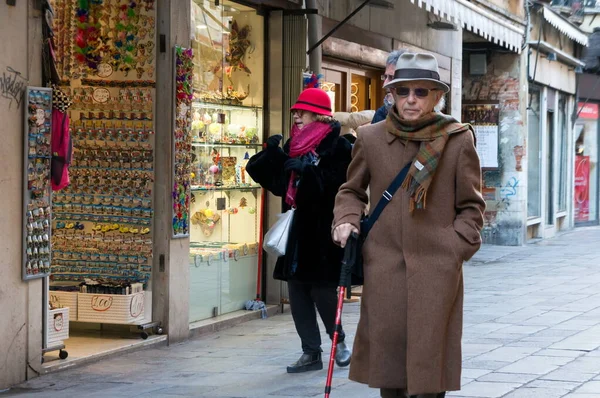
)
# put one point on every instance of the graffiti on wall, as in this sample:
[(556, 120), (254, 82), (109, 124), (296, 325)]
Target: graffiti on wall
[(12, 86), (510, 189), (501, 204)]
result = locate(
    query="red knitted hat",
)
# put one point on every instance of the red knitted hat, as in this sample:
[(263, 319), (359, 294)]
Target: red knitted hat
[(314, 100)]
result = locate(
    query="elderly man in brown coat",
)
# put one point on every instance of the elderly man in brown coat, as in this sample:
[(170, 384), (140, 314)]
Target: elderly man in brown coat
[(408, 341)]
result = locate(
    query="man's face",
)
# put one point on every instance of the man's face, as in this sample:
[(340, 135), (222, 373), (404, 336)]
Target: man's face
[(389, 73), (415, 100)]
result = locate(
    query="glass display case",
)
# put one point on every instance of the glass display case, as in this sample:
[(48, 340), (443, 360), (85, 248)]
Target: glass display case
[(227, 129)]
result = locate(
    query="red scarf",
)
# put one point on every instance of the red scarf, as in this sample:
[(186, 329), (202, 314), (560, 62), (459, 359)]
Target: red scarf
[(304, 141)]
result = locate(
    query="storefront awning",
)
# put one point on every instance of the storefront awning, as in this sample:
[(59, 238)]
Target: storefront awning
[(477, 20), (565, 27)]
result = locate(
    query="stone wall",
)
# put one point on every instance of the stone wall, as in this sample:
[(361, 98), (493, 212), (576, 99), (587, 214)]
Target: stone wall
[(504, 189), (20, 302)]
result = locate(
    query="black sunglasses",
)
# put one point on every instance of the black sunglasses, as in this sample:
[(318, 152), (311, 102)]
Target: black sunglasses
[(419, 92)]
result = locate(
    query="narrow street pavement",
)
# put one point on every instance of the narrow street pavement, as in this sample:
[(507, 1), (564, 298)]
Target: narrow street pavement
[(532, 329)]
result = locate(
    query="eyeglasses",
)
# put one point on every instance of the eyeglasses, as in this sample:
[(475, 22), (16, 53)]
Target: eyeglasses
[(386, 77), (419, 92)]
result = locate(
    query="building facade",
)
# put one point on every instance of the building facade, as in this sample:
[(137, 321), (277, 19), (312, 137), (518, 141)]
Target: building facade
[(530, 100), (586, 194)]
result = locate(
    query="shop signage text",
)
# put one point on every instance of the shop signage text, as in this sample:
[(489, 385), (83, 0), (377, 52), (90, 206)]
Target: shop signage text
[(588, 111), (136, 308), (58, 322), (101, 95), (101, 303)]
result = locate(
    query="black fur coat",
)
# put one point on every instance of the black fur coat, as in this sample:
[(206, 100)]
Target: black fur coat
[(311, 255)]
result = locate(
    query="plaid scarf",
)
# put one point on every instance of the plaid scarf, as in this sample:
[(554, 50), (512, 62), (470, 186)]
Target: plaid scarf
[(433, 133)]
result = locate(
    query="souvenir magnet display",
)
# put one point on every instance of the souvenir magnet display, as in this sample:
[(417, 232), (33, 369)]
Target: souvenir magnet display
[(182, 141), (36, 193)]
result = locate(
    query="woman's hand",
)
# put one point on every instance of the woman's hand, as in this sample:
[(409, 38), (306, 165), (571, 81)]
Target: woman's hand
[(342, 232), (294, 164), (273, 141)]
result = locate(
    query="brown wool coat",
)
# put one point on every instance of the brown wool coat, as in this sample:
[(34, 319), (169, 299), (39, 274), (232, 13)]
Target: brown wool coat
[(410, 328)]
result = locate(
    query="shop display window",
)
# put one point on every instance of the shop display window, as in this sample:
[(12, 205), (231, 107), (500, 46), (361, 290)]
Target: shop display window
[(534, 182), (102, 221), (227, 129), (562, 147), (586, 164)]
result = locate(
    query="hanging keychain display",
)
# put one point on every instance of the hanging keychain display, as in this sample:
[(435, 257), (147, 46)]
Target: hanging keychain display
[(182, 142), (36, 192)]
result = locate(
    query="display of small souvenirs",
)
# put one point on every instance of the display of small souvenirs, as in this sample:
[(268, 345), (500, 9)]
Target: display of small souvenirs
[(38, 249), (105, 58), (36, 242), (221, 172), (102, 221), (101, 286), (230, 97), (100, 37), (207, 220), (239, 45), (182, 141), (206, 129)]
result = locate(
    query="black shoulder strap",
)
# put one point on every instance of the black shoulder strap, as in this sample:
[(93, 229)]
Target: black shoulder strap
[(387, 196)]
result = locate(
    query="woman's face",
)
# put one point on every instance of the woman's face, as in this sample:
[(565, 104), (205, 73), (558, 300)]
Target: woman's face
[(303, 118)]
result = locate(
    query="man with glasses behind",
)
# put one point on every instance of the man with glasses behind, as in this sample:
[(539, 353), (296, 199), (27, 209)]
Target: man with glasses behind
[(388, 76), (408, 340)]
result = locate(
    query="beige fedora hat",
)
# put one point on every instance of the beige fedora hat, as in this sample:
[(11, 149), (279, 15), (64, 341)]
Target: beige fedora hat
[(416, 67)]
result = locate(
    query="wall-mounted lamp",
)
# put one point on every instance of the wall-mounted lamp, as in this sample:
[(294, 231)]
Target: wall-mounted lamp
[(578, 70), (551, 57)]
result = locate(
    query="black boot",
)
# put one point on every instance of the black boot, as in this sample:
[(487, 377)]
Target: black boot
[(307, 362), (342, 355)]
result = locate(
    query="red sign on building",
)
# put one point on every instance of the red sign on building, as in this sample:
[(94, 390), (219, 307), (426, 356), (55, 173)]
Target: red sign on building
[(589, 111), (582, 188)]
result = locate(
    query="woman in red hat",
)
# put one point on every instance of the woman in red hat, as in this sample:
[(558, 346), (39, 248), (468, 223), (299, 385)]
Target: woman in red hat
[(307, 173)]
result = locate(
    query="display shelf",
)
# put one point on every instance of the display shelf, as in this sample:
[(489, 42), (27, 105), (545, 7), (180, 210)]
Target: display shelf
[(37, 198), (215, 105), (225, 144), (236, 188), (227, 131)]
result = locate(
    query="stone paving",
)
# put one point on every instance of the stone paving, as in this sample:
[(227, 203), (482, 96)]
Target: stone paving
[(532, 329)]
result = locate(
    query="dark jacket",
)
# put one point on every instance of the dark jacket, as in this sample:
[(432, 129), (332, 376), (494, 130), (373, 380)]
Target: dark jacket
[(380, 114), (311, 255)]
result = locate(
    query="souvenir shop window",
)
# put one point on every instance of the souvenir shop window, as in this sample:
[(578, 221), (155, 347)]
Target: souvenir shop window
[(227, 129), (102, 221)]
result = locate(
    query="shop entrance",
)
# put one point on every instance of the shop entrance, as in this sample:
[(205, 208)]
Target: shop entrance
[(100, 59), (352, 89), (586, 165)]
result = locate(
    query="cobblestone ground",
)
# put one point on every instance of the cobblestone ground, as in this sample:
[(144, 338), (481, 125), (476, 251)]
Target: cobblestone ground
[(532, 329)]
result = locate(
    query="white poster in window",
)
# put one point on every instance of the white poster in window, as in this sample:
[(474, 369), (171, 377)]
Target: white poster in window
[(485, 119), (487, 145)]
